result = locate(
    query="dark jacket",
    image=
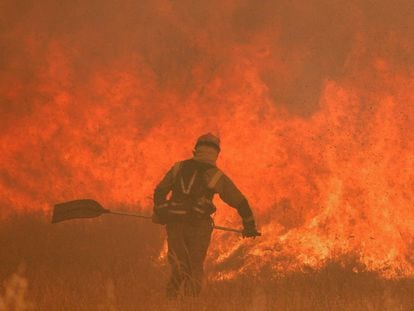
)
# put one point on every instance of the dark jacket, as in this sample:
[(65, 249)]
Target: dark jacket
[(214, 181)]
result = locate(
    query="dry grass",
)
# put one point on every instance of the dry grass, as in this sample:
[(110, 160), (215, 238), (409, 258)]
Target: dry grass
[(111, 264)]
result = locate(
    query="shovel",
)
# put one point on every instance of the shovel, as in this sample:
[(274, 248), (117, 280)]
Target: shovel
[(87, 208)]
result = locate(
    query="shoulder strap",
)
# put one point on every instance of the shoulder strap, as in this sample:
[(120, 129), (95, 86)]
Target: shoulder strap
[(214, 179), (176, 169)]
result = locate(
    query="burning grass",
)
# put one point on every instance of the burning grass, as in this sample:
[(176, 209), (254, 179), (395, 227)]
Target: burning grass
[(112, 264)]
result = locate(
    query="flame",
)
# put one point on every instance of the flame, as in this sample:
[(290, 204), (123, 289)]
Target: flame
[(316, 121)]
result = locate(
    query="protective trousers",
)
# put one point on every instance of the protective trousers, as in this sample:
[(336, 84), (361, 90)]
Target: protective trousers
[(188, 242)]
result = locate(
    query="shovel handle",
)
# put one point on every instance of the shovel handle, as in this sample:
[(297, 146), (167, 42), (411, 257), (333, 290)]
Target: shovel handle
[(150, 217), (227, 229), (129, 214)]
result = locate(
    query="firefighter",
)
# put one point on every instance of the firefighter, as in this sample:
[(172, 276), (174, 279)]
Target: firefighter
[(186, 213)]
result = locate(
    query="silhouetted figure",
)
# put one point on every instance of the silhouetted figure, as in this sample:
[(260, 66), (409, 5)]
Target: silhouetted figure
[(193, 184)]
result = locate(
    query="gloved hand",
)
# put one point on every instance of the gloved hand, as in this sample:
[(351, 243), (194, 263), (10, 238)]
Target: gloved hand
[(249, 230)]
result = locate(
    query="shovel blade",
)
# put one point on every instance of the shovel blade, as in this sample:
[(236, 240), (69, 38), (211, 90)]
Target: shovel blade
[(77, 209)]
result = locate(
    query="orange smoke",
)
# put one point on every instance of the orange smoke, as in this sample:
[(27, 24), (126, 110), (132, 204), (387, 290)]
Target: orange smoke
[(313, 103)]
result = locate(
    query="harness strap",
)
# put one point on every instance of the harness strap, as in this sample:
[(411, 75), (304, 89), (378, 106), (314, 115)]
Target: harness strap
[(177, 212), (176, 204), (176, 169), (186, 190), (161, 206), (216, 177), (197, 209)]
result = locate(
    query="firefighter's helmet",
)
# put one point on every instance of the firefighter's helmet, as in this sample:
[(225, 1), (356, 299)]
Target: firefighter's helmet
[(208, 140)]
